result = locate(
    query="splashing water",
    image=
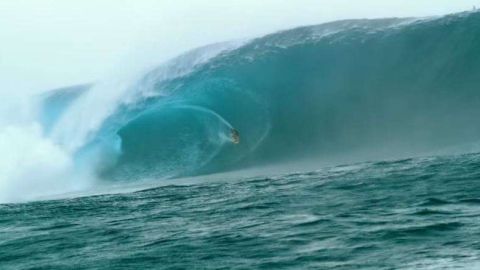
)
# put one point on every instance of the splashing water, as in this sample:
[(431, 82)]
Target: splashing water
[(333, 93)]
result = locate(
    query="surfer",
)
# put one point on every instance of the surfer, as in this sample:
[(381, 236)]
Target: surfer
[(235, 136)]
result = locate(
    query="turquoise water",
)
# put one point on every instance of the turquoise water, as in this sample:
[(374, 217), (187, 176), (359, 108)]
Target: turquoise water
[(407, 214), (396, 100), (339, 92)]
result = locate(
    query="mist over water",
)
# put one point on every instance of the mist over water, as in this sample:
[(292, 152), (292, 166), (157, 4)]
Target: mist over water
[(351, 144), (339, 92), (81, 139), (53, 141)]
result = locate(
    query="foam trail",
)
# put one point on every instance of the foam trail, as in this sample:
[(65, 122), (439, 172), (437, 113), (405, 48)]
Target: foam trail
[(222, 133)]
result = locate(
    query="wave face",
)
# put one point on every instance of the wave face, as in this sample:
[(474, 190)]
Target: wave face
[(336, 92)]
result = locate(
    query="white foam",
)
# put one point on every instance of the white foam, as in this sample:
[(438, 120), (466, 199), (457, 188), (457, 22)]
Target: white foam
[(32, 166)]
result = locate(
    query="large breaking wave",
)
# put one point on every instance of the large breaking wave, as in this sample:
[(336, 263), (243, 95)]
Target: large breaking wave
[(337, 92)]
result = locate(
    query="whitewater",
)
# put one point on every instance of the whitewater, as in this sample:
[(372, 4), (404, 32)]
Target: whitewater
[(359, 150)]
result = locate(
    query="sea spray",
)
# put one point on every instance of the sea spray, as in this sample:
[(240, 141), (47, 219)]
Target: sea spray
[(32, 165), (333, 93), (52, 142)]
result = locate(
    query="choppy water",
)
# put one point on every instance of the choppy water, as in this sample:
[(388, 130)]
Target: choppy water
[(345, 92), (419, 213)]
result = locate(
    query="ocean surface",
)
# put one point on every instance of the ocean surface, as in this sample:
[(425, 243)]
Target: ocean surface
[(358, 149), (419, 213)]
